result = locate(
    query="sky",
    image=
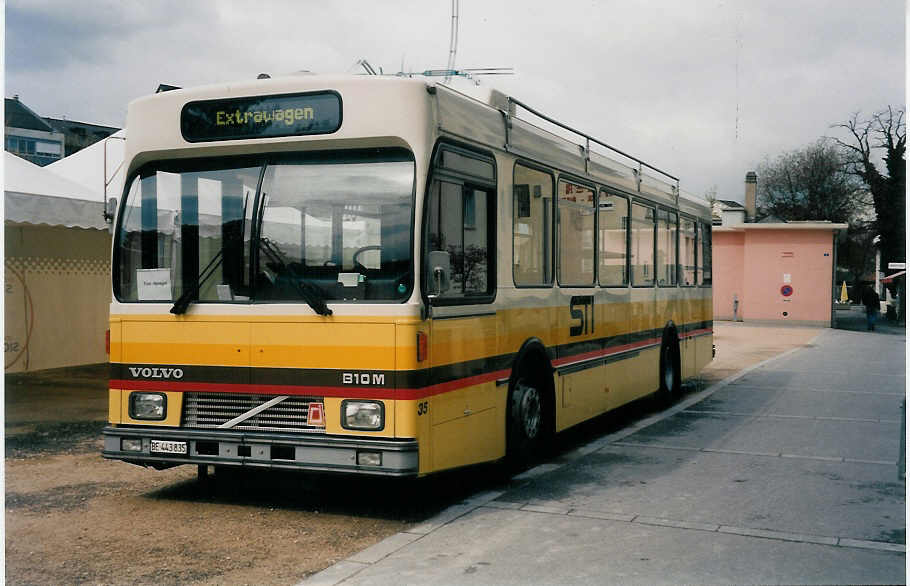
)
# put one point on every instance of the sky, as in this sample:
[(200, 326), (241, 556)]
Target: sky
[(704, 89)]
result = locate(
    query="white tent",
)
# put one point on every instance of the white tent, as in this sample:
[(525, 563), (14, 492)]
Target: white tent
[(70, 192), (36, 195), (99, 167), (57, 263)]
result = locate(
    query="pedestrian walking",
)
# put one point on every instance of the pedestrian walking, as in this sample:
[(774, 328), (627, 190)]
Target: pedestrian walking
[(871, 301)]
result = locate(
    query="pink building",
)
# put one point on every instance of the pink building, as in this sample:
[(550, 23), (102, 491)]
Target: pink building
[(775, 272)]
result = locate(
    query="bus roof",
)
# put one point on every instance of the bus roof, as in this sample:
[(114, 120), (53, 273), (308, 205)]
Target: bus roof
[(409, 110)]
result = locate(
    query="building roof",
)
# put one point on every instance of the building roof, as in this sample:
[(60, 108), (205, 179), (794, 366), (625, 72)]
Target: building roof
[(808, 225), (729, 204), (63, 125), (18, 115), (771, 219)]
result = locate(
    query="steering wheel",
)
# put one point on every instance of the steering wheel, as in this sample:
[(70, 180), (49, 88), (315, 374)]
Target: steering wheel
[(361, 251)]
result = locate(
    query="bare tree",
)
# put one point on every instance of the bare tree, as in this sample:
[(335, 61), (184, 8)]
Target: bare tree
[(808, 184), (711, 195), (885, 131), (856, 251)]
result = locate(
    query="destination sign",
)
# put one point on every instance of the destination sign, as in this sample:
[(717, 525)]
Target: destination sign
[(261, 117)]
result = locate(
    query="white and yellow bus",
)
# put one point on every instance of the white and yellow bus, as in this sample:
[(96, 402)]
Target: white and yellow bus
[(384, 275)]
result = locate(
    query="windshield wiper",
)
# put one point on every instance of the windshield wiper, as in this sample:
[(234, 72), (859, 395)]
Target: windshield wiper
[(183, 302), (310, 293)]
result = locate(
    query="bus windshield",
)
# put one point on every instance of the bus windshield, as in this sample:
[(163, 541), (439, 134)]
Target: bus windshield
[(277, 229)]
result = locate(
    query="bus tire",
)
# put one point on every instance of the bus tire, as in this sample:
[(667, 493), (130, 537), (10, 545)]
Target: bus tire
[(670, 377), (530, 415), (204, 480)]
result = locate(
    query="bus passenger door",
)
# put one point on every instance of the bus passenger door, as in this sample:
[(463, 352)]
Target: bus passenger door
[(459, 280)]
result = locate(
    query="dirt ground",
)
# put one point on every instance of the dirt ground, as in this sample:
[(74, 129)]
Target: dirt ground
[(72, 517)]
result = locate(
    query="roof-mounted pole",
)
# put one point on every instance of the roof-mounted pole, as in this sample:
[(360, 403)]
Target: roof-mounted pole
[(587, 155), (106, 213), (592, 139)]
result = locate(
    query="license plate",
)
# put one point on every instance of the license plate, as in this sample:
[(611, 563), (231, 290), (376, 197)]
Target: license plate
[(166, 447)]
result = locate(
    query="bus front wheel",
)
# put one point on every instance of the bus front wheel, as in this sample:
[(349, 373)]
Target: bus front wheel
[(526, 424)]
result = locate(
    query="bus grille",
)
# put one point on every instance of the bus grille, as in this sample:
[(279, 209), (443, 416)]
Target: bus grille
[(210, 410)]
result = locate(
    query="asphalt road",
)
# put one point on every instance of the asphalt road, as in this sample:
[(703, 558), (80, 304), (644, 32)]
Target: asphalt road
[(785, 473)]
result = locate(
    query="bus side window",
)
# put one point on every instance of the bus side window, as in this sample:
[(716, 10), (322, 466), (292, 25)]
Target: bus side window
[(666, 248), (575, 229), (613, 214), (704, 254), (458, 220), (532, 211), (687, 267), (641, 253)]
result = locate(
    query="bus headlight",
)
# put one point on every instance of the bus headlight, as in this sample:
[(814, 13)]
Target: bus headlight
[(150, 406), (364, 415)]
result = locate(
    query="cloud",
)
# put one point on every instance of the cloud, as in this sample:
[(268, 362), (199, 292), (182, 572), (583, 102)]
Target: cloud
[(703, 88)]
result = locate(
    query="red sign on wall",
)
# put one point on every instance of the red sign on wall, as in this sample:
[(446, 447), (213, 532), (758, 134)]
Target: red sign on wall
[(786, 290)]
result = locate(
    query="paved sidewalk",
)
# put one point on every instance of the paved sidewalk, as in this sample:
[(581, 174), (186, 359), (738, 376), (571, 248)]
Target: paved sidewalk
[(784, 472)]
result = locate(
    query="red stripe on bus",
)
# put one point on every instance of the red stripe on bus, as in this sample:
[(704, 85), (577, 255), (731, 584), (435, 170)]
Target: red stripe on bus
[(369, 392), (338, 392), (604, 353), (694, 333)]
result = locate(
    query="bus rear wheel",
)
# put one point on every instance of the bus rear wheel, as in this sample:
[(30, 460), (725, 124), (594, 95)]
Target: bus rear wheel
[(670, 383), (526, 424)]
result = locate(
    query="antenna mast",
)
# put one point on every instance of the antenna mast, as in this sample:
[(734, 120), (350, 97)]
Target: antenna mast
[(469, 73), (453, 39)]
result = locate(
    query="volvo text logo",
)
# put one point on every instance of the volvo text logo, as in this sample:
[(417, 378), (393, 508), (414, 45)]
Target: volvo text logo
[(138, 371)]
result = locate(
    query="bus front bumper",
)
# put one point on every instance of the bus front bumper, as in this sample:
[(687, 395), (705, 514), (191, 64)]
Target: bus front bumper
[(382, 457)]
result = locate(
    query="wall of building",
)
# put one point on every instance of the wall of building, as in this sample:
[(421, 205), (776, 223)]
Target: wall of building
[(57, 296), (805, 259), (755, 264), (36, 146), (727, 253)]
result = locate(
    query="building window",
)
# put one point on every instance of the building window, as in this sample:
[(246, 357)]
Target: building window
[(48, 148)]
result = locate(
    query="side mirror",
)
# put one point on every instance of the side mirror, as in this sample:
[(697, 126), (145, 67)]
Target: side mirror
[(440, 265), (110, 210)]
